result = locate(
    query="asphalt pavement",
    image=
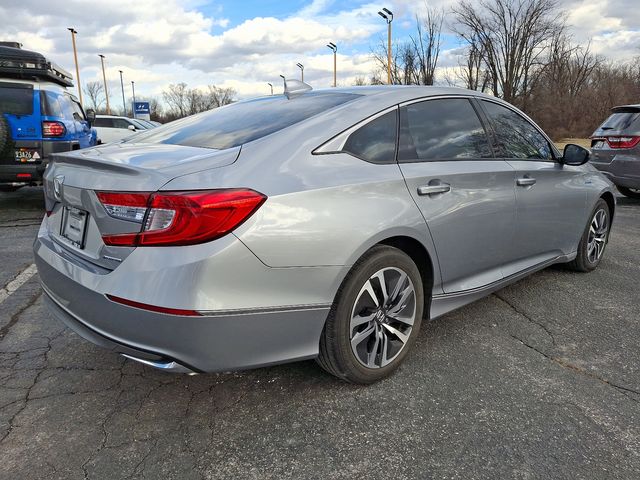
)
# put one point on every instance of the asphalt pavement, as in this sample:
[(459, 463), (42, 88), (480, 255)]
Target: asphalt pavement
[(540, 380)]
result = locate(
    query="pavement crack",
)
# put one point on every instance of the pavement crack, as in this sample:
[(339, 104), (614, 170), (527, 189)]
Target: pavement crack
[(524, 314), (14, 318)]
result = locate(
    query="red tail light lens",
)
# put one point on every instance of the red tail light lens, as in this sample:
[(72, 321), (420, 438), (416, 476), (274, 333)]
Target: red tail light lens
[(622, 141), (179, 218), (154, 308), (53, 129)]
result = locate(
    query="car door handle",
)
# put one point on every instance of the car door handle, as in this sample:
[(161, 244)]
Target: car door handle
[(525, 182), (432, 189)]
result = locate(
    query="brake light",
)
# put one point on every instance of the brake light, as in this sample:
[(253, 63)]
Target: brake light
[(179, 218), (53, 129), (154, 308), (622, 141)]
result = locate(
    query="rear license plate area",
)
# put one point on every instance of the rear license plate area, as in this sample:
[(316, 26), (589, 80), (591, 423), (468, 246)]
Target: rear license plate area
[(26, 155), (74, 226)]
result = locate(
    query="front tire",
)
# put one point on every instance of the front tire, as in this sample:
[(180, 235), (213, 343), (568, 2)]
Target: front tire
[(594, 239), (630, 192), (375, 318)]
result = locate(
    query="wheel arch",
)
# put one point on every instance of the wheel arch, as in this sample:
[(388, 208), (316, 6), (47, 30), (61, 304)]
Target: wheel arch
[(608, 197)]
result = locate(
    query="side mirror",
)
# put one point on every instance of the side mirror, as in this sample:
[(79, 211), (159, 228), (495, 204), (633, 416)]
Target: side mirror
[(575, 155), (132, 128), (91, 115)]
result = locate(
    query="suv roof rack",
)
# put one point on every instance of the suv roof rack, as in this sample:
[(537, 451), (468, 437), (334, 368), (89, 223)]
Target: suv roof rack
[(18, 63)]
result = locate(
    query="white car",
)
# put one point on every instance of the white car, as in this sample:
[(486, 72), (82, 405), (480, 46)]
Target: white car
[(111, 128)]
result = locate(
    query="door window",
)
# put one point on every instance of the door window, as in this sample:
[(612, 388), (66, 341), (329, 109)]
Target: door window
[(376, 141), (443, 129), (103, 122), (120, 123), (78, 113), (516, 137)]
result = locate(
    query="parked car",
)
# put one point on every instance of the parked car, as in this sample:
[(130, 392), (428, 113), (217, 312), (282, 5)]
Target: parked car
[(112, 128), (38, 116), (147, 123), (327, 225), (616, 149)]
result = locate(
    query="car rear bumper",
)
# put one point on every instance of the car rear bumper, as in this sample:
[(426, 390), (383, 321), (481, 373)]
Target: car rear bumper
[(219, 340), (622, 170), (13, 172)]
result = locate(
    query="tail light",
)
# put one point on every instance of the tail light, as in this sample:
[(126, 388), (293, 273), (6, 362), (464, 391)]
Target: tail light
[(53, 129), (179, 218), (620, 141)]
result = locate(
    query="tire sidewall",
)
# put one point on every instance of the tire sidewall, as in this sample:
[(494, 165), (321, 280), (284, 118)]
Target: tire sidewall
[(583, 251)]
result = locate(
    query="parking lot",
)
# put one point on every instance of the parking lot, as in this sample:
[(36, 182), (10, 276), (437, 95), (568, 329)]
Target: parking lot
[(541, 380)]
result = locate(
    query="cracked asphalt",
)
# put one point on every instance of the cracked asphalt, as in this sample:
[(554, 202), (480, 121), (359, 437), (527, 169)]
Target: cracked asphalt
[(541, 380)]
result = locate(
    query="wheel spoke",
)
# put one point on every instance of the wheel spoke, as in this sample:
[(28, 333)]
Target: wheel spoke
[(384, 349), (396, 317), (371, 357), (360, 320), (399, 305), (396, 290), (401, 336), (369, 289), (359, 337), (383, 286)]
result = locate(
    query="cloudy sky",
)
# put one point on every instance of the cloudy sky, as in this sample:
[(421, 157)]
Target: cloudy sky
[(245, 44)]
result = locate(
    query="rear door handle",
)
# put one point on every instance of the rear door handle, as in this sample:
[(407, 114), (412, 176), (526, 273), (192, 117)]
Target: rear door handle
[(525, 182), (432, 189)]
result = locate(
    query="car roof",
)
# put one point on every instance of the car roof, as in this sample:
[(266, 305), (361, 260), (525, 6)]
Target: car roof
[(404, 92)]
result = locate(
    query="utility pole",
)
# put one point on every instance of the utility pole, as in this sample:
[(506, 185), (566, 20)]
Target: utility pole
[(301, 67), (104, 78), (388, 17), (124, 103), (334, 49), (75, 57), (133, 90)]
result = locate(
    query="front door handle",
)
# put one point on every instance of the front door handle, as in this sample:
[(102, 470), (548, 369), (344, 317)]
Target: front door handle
[(525, 181), (433, 189)]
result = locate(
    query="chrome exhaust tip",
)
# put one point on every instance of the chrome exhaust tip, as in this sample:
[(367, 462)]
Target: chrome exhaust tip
[(168, 366)]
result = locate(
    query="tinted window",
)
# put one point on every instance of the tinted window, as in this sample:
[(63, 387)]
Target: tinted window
[(621, 121), (78, 114), (51, 104), (376, 141), (516, 137), (17, 100), (242, 122), (103, 122), (441, 130), (67, 108), (121, 123)]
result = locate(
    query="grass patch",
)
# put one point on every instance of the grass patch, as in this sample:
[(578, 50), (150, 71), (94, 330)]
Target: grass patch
[(583, 142)]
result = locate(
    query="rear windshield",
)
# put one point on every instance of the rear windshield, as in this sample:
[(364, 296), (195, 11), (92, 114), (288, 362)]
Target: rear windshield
[(621, 121), (242, 122), (17, 100)]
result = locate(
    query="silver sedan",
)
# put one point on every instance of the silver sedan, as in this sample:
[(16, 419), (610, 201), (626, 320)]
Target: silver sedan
[(317, 224)]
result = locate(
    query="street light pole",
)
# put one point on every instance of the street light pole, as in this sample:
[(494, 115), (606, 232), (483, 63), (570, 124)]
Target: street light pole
[(301, 67), (124, 103), (270, 86), (104, 78), (334, 49), (133, 90), (388, 17), (75, 57)]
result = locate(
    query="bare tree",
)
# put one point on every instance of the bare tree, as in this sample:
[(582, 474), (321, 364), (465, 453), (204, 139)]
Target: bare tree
[(220, 96), (176, 99), (183, 101), (95, 93), (512, 37)]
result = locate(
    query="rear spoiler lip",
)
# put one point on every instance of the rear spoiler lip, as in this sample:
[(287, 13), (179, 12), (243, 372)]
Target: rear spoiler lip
[(626, 109)]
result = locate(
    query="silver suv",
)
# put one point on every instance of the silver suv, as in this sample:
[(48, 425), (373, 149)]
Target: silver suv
[(616, 149)]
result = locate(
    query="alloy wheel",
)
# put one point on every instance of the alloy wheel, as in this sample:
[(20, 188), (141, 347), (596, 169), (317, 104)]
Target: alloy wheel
[(382, 317), (598, 231)]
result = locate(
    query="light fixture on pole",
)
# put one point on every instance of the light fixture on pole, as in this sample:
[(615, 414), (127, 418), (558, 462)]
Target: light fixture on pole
[(301, 67), (124, 103), (334, 49), (104, 79), (270, 86), (75, 58), (133, 91), (388, 17)]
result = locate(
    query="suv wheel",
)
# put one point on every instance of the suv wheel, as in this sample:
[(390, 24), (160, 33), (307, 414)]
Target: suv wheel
[(375, 318), (594, 239), (630, 192)]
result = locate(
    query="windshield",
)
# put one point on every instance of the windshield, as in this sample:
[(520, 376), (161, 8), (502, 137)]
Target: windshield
[(16, 99), (242, 122), (620, 121)]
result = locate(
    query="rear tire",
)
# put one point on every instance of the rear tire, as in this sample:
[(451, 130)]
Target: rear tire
[(630, 192), (594, 239), (365, 338), (9, 188)]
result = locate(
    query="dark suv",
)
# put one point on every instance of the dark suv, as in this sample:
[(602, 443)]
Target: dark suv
[(38, 116), (616, 149)]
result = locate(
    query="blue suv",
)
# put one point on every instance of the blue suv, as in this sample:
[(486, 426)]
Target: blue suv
[(38, 116)]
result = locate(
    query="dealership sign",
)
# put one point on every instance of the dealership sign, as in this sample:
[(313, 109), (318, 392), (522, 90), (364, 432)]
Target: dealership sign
[(142, 110)]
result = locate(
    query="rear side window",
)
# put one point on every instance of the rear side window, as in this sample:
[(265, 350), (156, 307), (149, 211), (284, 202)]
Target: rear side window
[(120, 123), (78, 114), (103, 122), (51, 104), (516, 137), (376, 141), (442, 129), (621, 121), (16, 99), (243, 122)]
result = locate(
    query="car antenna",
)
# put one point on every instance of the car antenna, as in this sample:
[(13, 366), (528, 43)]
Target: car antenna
[(294, 88)]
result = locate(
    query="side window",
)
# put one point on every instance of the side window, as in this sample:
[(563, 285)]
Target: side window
[(103, 122), (443, 129), (65, 105), (50, 104), (516, 137), (120, 123), (78, 114), (376, 141)]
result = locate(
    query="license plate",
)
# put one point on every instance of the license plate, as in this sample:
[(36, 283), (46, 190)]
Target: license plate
[(74, 226), (24, 155)]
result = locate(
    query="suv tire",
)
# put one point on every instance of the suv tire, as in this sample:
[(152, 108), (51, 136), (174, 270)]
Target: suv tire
[(629, 192)]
